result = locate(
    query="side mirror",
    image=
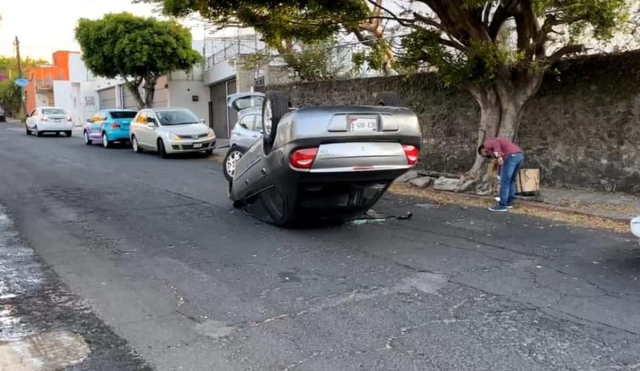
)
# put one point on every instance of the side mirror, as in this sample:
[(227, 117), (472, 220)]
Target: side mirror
[(202, 121)]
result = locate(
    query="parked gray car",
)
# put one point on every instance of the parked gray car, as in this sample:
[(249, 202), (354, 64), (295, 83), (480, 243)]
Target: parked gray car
[(246, 131), (327, 164)]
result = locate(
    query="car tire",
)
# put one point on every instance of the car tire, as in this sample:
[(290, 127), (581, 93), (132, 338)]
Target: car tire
[(68, 133), (27, 130), (389, 99), (105, 141), (85, 136), (161, 150), (233, 151), (276, 104), (38, 132), (134, 144)]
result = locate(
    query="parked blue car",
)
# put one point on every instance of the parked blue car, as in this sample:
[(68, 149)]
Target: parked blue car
[(109, 126)]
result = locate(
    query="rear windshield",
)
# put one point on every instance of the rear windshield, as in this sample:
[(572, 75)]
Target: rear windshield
[(53, 111), (123, 114)]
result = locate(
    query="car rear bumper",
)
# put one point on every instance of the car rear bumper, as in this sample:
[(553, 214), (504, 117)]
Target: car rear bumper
[(42, 127), (191, 146), (118, 135)]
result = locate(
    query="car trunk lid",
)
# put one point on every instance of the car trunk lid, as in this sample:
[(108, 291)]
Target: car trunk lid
[(240, 101)]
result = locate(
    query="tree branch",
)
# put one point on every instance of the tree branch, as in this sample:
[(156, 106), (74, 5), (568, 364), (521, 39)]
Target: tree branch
[(502, 13), (566, 50), (429, 21)]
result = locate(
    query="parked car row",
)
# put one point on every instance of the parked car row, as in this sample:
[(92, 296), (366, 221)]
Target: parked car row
[(162, 130)]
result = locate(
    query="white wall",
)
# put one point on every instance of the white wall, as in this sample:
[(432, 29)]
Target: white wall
[(180, 93), (89, 100), (79, 99), (219, 72), (78, 70), (62, 93)]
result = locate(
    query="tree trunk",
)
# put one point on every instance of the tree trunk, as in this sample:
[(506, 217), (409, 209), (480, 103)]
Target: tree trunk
[(490, 115), (500, 112), (149, 90)]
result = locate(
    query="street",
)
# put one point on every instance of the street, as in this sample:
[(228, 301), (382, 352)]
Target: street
[(165, 263)]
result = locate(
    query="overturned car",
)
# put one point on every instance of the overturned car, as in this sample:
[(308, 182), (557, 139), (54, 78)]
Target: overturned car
[(321, 165)]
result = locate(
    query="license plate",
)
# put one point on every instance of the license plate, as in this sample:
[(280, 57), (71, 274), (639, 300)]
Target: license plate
[(197, 145), (359, 124)]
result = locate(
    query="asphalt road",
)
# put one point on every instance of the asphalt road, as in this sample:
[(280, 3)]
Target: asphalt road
[(161, 257)]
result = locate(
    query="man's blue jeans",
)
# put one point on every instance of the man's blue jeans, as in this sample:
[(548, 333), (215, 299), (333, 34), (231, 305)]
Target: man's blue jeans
[(508, 176)]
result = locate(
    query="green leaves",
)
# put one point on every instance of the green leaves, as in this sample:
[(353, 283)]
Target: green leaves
[(131, 46), (10, 96)]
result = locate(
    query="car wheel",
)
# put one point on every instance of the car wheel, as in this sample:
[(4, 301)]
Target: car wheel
[(27, 130), (68, 133), (230, 162), (276, 104), (105, 141), (388, 99), (38, 132), (161, 150), (134, 144), (85, 136)]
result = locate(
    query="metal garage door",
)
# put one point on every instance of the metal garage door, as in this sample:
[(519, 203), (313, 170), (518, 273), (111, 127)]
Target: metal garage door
[(222, 119), (107, 98)]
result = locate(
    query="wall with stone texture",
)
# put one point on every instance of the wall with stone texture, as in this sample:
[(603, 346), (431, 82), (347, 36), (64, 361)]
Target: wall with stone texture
[(582, 129)]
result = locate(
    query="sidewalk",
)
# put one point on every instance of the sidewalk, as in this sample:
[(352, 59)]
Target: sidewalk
[(607, 205)]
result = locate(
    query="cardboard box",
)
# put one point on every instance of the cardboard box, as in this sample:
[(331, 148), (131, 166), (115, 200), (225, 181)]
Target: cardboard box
[(528, 181)]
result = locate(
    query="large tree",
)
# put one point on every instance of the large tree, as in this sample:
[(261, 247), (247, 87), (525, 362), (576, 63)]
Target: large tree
[(137, 49), (499, 50)]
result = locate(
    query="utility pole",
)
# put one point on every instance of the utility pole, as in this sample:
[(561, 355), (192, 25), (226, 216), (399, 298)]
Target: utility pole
[(16, 43)]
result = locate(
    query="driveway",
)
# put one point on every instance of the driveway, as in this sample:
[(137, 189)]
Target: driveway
[(163, 260)]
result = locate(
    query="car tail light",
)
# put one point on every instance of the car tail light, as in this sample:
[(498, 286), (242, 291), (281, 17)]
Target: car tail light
[(115, 126), (44, 118), (303, 158), (412, 154)]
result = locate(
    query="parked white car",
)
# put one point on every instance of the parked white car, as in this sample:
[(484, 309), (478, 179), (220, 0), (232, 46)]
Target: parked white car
[(169, 131), (49, 120), (635, 226)]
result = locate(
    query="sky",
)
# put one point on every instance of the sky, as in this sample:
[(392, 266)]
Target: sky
[(44, 26)]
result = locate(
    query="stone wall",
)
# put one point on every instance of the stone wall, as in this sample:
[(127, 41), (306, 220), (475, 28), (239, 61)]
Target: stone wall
[(582, 129)]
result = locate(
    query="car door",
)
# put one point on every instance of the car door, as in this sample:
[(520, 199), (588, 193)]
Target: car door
[(95, 127), (31, 119), (153, 124), (140, 129)]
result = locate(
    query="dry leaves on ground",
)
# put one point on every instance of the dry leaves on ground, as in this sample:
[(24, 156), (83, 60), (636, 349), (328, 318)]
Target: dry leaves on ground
[(448, 198)]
